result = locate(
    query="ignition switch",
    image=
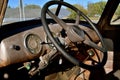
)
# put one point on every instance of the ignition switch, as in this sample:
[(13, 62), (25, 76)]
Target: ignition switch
[(16, 47)]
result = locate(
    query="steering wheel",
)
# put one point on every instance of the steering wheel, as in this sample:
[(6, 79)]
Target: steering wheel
[(75, 35)]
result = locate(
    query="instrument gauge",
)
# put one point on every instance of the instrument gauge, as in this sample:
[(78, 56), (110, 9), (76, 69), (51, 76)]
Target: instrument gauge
[(32, 43)]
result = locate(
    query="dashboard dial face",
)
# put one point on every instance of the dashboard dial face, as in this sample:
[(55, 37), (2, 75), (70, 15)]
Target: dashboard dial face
[(32, 43)]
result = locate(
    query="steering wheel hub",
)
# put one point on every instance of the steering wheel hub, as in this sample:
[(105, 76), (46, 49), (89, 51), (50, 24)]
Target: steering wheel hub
[(75, 34)]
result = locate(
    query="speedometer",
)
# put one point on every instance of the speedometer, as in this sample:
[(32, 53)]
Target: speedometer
[(32, 43)]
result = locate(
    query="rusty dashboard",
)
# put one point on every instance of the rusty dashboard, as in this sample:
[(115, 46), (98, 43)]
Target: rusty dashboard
[(23, 42)]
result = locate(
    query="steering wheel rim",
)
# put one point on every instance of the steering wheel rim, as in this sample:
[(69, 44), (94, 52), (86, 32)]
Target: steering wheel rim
[(64, 53)]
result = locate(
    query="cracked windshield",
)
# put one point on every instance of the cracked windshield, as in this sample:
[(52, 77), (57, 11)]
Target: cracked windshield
[(20, 10)]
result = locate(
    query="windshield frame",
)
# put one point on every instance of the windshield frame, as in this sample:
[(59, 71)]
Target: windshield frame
[(3, 6)]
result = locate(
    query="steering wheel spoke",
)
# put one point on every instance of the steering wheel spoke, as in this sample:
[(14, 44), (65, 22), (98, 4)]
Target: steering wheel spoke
[(92, 44), (77, 20), (61, 22)]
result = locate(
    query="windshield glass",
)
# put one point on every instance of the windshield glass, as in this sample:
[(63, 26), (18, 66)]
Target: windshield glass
[(21, 10)]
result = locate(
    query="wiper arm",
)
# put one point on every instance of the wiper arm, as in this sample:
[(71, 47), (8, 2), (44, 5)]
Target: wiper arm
[(116, 19)]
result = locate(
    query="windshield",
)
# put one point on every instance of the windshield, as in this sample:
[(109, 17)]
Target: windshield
[(21, 10)]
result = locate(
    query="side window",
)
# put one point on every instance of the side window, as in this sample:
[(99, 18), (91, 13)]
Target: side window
[(116, 18)]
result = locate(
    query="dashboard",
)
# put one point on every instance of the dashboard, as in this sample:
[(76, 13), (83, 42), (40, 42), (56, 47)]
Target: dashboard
[(26, 40), (23, 41)]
